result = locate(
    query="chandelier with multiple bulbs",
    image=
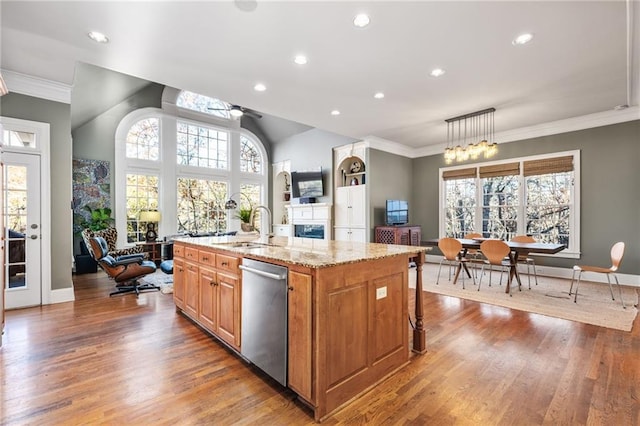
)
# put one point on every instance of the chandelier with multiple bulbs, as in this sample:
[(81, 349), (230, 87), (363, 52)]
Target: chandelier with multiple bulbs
[(471, 136)]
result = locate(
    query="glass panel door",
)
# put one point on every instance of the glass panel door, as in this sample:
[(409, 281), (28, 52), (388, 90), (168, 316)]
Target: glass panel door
[(21, 219)]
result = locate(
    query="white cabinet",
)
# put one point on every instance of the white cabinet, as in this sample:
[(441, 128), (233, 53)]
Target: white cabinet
[(351, 200), (310, 220), (282, 230), (350, 208), (350, 234)]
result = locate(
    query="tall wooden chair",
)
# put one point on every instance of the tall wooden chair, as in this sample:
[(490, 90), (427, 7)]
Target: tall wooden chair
[(474, 255), (496, 253), (451, 250), (617, 251), (524, 256)]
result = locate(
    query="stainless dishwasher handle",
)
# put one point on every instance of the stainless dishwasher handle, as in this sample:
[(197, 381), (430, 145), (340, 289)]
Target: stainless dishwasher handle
[(263, 273)]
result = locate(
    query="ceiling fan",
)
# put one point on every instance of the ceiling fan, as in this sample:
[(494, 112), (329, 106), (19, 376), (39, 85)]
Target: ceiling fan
[(236, 111)]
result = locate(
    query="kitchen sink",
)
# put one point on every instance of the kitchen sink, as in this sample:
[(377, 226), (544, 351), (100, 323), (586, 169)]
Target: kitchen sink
[(246, 244)]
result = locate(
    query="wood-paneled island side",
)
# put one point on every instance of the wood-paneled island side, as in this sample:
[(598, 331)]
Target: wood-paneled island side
[(347, 308)]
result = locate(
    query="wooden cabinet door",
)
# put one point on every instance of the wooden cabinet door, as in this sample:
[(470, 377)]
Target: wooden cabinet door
[(191, 289), (299, 343), (178, 282), (416, 236), (403, 237), (208, 312), (229, 308)]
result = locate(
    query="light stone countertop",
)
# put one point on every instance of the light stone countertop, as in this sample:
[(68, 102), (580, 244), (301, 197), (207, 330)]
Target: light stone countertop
[(312, 253)]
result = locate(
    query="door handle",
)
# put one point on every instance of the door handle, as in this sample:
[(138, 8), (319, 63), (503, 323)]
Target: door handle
[(33, 237)]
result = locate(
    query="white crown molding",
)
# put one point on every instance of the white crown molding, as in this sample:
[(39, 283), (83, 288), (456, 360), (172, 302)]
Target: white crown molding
[(389, 146), (573, 124), (37, 87)]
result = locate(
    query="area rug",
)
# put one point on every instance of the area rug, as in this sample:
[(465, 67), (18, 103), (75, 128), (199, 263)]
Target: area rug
[(162, 280), (550, 297)]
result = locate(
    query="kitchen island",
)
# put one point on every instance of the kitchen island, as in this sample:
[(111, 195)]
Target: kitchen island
[(347, 307)]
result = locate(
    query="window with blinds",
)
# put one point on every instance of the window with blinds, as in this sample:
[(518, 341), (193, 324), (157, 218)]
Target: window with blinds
[(536, 196)]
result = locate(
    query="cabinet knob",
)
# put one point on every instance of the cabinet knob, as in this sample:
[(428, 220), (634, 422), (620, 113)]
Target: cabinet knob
[(290, 288), (225, 263), (212, 282)]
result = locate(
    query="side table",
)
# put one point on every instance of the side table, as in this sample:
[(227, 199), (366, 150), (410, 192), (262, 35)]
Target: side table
[(155, 250)]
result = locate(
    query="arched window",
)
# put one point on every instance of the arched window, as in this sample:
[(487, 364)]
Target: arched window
[(186, 162), (250, 158), (201, 103), (143, 140)]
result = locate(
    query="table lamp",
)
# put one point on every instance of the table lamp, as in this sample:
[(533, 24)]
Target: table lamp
[(151, 217)]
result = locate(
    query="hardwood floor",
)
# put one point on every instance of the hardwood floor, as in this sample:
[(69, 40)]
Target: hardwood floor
[(124, 360)]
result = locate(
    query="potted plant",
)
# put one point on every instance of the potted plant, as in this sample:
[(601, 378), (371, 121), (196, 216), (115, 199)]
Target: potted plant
[(99, 218), (244, 214)]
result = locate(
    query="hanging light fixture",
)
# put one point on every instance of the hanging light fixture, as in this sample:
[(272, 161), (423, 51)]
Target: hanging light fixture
[(470, 136), (236, 111)]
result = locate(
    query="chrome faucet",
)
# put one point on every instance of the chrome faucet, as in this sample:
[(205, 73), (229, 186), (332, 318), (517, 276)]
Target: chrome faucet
[(265, 208)]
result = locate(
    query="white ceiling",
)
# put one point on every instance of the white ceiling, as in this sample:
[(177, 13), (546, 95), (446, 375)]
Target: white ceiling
[(583, 58)]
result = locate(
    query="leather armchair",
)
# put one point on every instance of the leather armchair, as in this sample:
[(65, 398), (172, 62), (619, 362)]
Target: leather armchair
[(124, 270), (110, 235)]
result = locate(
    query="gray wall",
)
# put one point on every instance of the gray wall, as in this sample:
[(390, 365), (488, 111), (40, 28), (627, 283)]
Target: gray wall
[(390, 178), (58, 116), (610, 197), (310, 150), (95, 140)]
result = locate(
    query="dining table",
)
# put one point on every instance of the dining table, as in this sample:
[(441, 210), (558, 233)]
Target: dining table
[(517, 250)]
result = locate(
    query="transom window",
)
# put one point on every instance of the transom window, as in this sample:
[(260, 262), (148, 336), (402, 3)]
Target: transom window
[(19, 139), (204, 104), (536, 196)]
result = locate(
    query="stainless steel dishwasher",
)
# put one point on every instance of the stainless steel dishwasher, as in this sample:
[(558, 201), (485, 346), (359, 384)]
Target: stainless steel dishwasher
[(264, 317)]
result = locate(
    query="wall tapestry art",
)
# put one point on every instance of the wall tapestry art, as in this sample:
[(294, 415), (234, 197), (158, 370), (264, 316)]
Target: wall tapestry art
[(91, 187)]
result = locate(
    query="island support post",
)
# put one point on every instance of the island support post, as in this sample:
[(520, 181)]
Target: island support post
[(419, 335)]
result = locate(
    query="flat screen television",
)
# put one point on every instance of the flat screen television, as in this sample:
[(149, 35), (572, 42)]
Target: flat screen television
[(307, 184), (397, 212)]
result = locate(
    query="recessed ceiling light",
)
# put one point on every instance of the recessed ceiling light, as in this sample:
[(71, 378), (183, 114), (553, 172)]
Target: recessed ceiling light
[(361, 20), (98, 37), (259, 87), (300, 60), (335, 112), (379, 95), (522, 39), (437, 72)]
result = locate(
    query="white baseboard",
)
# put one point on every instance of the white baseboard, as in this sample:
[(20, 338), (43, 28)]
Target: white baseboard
[(61, 295), (555, 272)]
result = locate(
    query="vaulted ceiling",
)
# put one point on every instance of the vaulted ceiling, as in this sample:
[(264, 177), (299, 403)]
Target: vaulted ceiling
[(583, 59)]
